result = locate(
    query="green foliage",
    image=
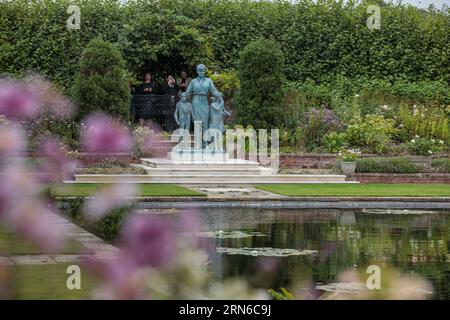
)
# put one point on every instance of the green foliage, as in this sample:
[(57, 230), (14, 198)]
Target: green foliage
[(101, 83), (226, 81), (258, 101), (321, 41), (386, 165), (431, 123), (282, 295), (441, 165), (425, 147), (108, 228), (372, 133), (334, 141)]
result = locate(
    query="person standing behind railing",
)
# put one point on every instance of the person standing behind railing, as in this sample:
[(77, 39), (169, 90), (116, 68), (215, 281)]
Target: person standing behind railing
[(183, 81), (148, 86), (170, 87)]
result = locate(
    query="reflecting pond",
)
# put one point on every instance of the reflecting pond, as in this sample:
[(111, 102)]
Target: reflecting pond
[(315, 246)]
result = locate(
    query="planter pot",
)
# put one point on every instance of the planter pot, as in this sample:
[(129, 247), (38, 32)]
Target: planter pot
[(348, 167)]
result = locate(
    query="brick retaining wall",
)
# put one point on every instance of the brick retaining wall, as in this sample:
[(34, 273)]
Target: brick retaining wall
[(400, 178)]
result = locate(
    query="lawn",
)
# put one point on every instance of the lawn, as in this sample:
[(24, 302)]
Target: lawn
[(145, 189), (11, 244), (369, 190), (48, 282)]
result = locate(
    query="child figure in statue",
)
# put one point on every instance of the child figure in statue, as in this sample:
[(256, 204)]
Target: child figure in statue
[(217, 113), (216, 126), (183, 112)]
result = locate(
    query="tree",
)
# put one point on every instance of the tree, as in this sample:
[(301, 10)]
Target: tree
[(101, 84), (260, 71)]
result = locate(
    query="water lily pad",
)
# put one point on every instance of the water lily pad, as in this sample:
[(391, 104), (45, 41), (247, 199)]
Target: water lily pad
[(266, 252), (230, 234), (396, 211)]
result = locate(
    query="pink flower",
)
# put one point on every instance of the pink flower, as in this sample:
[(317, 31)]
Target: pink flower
[(35, 222), (17, 101), (12, 141), (149, 240), (50, 98), (109, 198), (56, 166), (103, 134)]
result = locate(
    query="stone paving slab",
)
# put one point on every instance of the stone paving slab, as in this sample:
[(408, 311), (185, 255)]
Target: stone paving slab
[(36, 259), (5, 261), (97, 248), (231, 192)]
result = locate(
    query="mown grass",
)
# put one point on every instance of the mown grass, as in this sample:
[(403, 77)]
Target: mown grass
[(145, 190), (47, 282), (368, 190)]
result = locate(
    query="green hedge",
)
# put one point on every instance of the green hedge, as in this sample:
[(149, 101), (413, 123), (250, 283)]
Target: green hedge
[(319, 41), (386, 165)]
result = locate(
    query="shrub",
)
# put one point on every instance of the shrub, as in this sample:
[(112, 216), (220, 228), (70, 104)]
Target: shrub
[(334, 141), (425, 147), (386, 165), (318, 123), (260, 71), (372, 133), (431, 123), (101, 84), (108, 228), (226, 82), (441, 165)]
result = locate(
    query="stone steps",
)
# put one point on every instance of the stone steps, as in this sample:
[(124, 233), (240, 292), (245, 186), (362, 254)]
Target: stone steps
[(211, 170), (195, 165)]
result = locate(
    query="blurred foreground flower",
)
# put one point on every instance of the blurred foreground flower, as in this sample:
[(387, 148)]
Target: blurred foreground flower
[(103, 134), (158, 261), (352, 285), (110, 197), (55, 165), (17, 102)]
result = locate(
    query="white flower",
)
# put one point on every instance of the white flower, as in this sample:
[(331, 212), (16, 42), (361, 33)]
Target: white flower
[(356, 95), (414, 106), (441, 142), (413, 141), (430, 152), (385, 107), (417, 136), (432, 140)]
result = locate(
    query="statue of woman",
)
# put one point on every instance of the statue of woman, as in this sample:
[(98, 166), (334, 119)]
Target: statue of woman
[(198, 89)]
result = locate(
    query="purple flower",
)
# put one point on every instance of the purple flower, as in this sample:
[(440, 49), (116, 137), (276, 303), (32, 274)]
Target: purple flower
[(149, 240), (109, 198), (103, 134), (56, 166), (50, 98), (12, 141), (36, 223), (326, 117), (17, 102)]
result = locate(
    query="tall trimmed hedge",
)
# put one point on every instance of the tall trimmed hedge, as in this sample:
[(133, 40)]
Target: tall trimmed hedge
[(101, 83), (320, 41), (259, 98)]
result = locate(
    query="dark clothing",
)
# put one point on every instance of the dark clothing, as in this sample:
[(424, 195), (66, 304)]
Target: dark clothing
[(148, 85), (183, 81), (171, 90)]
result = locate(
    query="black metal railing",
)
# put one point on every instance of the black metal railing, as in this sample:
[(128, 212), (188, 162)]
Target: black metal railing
[(157, 108)]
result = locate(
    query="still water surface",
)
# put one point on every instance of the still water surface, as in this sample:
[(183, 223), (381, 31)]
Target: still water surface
[(274, 248)]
